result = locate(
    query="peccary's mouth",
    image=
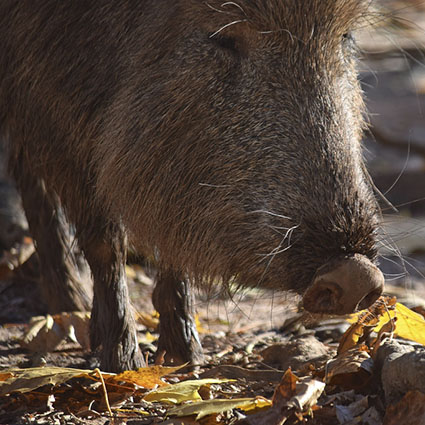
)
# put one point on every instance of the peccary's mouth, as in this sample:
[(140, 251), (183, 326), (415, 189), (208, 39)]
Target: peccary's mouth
[(344, 285)]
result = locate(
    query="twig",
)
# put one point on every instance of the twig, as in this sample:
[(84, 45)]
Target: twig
[(105, 393)]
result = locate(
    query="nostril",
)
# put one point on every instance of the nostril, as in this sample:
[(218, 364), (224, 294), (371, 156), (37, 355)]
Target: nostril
[(323, 296), (370, 298)]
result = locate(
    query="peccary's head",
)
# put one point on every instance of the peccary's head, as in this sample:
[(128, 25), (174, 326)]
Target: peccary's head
[(239, 148)]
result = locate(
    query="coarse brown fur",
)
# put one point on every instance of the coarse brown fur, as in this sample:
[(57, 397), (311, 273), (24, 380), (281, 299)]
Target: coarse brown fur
[(222, 137)]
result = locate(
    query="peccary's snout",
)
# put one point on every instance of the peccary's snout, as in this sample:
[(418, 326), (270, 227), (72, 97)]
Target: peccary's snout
[(344, 285)]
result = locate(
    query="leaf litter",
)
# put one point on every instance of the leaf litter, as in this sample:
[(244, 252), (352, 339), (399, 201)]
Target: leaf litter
[(337, 392)]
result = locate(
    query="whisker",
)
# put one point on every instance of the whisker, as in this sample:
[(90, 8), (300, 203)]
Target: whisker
[(232, 3), (395, 275), (218, 186), (408, 203), (410, 264), (269, 213), (277, 249), (393, 279), (226, 26), (282, 30), (276, 229), (216, 10)]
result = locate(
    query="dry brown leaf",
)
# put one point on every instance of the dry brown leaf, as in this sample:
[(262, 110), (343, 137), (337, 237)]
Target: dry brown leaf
[(17, 256), (352, 336), (77, 326), (30, 401), (279, 411), (292, 396), (365, 322), (308, 390), (351, 412), (287, 387), (43, 335), (352, 369), (182, 391), (380, 308), (147, 377), (385, 330), (5, 375)]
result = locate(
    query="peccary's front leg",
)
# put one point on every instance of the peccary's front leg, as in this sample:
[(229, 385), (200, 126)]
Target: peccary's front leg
[(65, 282), (112, 323), (178, 338)]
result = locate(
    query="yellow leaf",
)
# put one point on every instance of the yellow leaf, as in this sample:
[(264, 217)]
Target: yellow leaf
[(148, 337), (25, 380), (130, 272), (137, 273), (352, 335), (199, 327), (410, 325), (182, 391), (208, 407), (255, 403), (150, 321), (147, 377)]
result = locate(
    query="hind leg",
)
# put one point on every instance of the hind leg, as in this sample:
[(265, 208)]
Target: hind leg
[(65, 282), (178, 339), (104, 246)]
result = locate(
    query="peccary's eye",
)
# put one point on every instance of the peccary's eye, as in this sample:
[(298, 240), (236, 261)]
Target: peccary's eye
[(348, 37), (224, 42)]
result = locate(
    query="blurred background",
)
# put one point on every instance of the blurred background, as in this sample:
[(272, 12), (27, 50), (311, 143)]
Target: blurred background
[(392, 73)]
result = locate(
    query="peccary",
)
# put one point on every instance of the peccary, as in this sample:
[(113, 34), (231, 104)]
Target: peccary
[(221, 138)]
